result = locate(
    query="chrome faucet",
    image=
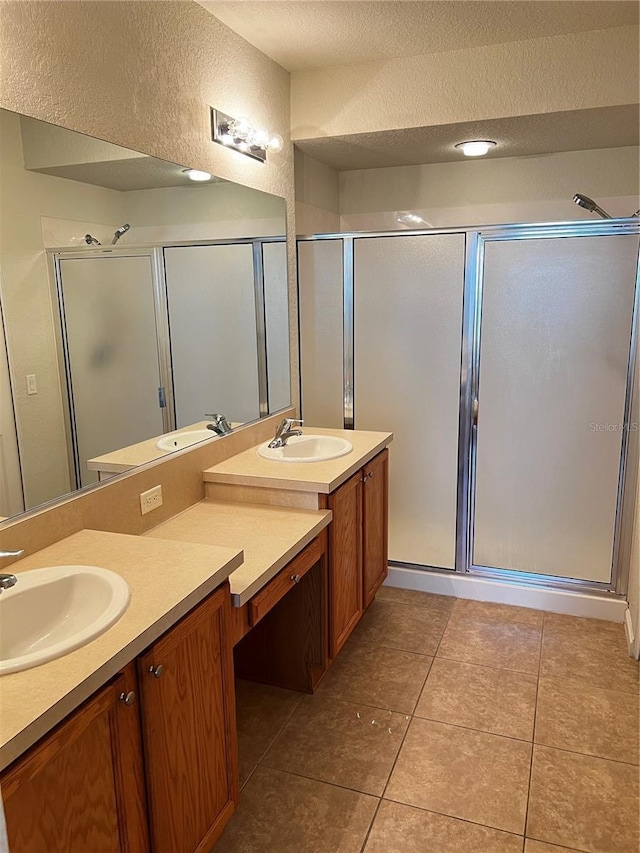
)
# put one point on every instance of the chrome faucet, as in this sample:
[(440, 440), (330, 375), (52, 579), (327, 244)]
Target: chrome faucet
[(7, 581), (284, 432), (220, 425)]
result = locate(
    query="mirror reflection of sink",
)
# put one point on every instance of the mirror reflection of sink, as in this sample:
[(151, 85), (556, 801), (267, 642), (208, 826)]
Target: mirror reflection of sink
[(178, 440), (307, 448), (50, 612)]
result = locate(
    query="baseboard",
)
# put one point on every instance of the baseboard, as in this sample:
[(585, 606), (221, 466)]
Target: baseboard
[(628, 629), (612, 608)]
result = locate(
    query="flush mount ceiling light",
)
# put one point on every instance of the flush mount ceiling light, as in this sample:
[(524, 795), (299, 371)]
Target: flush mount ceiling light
[(476, 147), (241, 135), (197, 175)]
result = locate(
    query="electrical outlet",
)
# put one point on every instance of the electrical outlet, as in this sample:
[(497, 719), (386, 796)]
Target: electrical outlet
[(32, 387), (151, 499)]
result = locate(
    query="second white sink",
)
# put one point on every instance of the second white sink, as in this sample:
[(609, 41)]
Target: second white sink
[(307, 448), (179, 440), (52, 611)]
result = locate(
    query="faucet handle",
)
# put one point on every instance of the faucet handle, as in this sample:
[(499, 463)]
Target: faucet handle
[(294, 422), (7, 554)]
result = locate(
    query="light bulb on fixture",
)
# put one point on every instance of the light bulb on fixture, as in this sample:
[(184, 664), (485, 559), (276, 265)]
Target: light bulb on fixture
[(476, 147), (275, 143), (197, 175), (260, 137)]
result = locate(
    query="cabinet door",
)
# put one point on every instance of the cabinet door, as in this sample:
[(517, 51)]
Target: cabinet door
[(375, 525), (188, 720), (81, 787), (345, 562)]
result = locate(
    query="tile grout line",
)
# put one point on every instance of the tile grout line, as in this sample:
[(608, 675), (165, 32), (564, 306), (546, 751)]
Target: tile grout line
[(489, 666), (482, 731), (475, 616), (586, 754), (412, 715), (461, 819), (273, 739), (533, 733), (370, 827)]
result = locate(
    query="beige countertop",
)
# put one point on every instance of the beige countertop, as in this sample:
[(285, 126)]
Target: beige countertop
[(269, 536), (130, 457), (249, 469), (166, 579)]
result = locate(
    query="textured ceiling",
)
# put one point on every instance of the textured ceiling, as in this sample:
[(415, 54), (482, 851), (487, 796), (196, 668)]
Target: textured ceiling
[(606, 127), (302, 34)]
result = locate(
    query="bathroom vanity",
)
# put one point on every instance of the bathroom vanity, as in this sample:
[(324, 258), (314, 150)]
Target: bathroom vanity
[(129, 743)]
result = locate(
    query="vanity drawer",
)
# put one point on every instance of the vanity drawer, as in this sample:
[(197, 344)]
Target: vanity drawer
[(263, 601)]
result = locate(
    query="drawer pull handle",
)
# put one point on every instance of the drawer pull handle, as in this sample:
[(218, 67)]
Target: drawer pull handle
[(296, 578), (156, 671), (127, 698)]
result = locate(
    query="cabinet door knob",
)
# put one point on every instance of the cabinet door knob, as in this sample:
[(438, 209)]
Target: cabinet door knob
[(156, 671), (127, 698), (367, 476), (295, 578)]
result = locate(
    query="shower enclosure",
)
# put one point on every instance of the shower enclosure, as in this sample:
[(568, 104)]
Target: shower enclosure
[(153, 338), (502, 359)]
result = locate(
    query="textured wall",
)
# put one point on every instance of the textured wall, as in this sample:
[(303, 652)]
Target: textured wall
[(504, 189), (317, 196), (568, 72), (143, 75)]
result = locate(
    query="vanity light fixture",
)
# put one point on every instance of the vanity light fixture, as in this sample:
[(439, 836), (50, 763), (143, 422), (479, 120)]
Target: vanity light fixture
[(197, 175), (476, 147), (241, 135)]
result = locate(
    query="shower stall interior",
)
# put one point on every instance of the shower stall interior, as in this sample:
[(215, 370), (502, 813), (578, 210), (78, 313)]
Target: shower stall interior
[(153, 338), (502, 359)]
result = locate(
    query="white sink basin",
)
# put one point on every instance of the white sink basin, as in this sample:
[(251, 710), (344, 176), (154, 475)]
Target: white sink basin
[(307, 448), (178, 440), (50, 612)]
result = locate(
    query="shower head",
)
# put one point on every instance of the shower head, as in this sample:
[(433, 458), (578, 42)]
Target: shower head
[(590, 205), (119, 232)]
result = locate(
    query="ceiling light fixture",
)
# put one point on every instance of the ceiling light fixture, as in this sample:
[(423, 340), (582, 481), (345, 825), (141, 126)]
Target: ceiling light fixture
[(197, 175), (476, 147), (240, 134)]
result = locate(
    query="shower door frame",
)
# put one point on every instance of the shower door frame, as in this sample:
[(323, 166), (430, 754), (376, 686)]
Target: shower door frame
[(155, 252), (55, 256), (476, 238)]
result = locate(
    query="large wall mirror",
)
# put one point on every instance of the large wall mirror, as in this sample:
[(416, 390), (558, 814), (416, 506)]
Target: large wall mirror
[(136, 302)]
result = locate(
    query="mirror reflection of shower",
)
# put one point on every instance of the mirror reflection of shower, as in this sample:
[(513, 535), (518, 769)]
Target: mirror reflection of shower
[(119, 232), (593, 207)]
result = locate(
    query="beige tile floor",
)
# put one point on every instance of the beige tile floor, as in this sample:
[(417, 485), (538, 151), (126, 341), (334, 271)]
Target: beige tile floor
[(448, 726)]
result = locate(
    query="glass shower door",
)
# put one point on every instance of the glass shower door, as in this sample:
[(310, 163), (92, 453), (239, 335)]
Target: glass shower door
[(111, 353), (212, 324), (556, 318), (407, 306)]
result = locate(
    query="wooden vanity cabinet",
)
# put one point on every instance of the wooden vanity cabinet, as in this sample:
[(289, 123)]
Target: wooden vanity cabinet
[(188, 722), (147, 763), (82, 786), (375, 525), (345, 561), (357, 547)]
